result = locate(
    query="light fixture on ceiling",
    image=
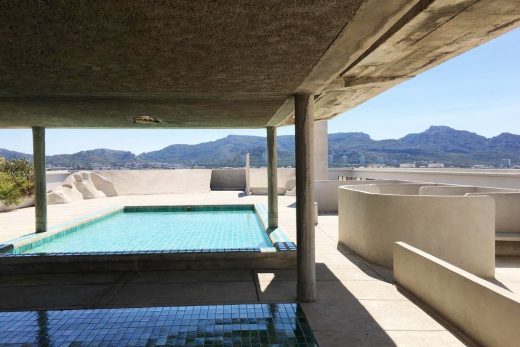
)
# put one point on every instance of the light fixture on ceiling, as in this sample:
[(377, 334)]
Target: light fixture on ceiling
[(145, 119)]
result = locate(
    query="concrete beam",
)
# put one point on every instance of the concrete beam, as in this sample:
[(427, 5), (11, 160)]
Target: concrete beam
[(40, 184), (304, 133), (272, 177), (427, 34)]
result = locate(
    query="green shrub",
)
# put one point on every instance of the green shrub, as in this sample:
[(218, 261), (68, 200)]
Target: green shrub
[(16, 181)]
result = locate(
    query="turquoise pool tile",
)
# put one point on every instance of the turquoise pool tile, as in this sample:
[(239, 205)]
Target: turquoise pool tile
[(242, 325), (163, 228)]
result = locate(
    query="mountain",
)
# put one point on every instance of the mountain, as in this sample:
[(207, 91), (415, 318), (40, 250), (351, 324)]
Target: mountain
[(5, 153), (99, 157), (438, 143), (228, 151)]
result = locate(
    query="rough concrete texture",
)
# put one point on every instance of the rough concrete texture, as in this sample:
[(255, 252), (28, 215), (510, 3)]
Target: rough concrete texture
[(427, 34), (185, 50), (222, 64), (485, 312)]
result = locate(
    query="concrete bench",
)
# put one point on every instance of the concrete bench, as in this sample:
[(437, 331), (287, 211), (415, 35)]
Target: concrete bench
[(482, 312), (507, 244)]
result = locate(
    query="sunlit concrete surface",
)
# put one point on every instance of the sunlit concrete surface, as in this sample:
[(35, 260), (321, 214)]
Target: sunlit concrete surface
[(357, 302), (507, 274)]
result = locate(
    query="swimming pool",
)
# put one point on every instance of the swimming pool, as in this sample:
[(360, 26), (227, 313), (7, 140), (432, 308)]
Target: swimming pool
[(162, 229), (155, 237)]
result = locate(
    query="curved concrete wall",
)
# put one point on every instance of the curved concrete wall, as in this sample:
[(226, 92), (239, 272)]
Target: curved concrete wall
[(326, 192), (402, 189), (470, 177), (507, 203), (458, 229), (460, 190), (507, 211), (132, 182)]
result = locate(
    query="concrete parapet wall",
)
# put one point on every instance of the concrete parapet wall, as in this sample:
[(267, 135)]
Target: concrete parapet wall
[(228, 179), (460, 190), (507, 211), (258, 180), (402, 188), (326, 192), (458, 229), (486, 313), (507, 203), (136, 182), (469, 177)]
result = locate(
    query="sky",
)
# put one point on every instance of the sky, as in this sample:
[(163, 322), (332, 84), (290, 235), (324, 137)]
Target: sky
[(477, 91)]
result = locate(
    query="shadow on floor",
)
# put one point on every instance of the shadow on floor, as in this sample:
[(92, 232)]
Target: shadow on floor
[(337, 318), (383, 274)]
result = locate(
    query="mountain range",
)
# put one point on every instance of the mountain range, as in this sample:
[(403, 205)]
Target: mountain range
[(436, 144)]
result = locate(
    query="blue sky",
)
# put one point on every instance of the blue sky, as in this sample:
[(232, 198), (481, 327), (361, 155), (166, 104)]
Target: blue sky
[(477, 91)]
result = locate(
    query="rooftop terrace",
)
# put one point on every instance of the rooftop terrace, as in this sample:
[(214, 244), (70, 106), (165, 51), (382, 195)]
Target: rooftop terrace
[(357, 301)]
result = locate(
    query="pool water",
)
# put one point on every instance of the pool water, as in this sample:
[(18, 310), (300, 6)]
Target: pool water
[(163, 231), (223, 325)]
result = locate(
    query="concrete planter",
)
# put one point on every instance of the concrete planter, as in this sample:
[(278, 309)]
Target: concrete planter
[(26, 202)]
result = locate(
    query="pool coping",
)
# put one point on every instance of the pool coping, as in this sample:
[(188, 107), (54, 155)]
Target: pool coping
[(281, 255)]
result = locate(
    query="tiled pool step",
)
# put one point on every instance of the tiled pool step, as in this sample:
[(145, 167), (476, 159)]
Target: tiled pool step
[(220, 325)]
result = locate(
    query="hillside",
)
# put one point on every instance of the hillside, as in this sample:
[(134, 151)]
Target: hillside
[(438, 143)]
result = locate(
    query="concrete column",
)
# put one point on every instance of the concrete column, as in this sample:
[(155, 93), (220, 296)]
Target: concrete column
[(40, 184), (272, 177), (321, 150), (306, 272), (248, 175)]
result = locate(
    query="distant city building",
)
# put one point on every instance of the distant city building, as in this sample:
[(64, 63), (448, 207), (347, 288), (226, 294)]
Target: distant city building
[(376, 166), (407, 165), (435, 165), (506, 163), (362, 160)]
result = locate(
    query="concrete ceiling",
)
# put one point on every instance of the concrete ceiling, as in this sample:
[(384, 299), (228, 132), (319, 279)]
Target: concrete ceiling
[(222, 63)]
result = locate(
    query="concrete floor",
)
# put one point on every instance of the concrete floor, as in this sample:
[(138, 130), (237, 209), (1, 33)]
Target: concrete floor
[(357, 303)]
